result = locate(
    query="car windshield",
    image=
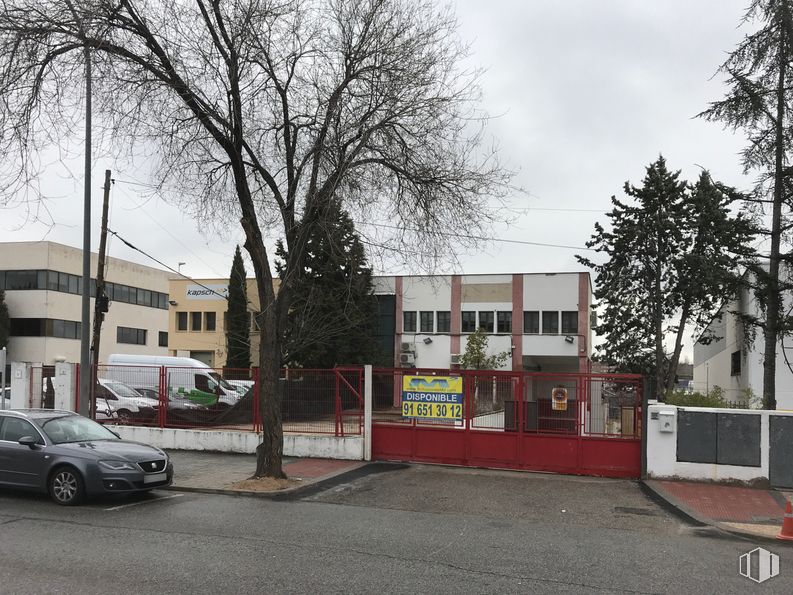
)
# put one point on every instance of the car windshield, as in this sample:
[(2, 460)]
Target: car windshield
[(222, 381), (75, 428), (122, 390)]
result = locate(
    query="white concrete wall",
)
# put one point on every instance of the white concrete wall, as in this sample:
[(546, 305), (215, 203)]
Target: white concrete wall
[(427, 293), (295, 445), (551, 291), (662, 450)]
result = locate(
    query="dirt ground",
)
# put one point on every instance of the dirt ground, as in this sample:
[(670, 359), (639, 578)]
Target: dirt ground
[(264, 484)]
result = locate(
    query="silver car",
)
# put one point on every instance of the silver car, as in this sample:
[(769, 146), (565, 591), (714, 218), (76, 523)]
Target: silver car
[(73, 458)]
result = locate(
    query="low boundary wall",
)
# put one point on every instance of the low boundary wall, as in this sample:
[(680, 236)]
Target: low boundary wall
[(707, 444), (295, 445)]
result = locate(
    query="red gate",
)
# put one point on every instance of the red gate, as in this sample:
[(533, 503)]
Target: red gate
[(582, 424)]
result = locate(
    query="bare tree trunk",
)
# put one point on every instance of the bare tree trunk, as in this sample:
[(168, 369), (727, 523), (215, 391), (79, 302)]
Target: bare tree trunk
[(772, 294), (673, 363)]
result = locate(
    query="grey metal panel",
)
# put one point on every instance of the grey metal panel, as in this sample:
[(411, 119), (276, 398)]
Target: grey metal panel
[(738, 440), (780, 469), (696, 436)]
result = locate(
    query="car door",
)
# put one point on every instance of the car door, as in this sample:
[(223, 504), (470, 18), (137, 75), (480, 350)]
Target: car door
[(21, 465)]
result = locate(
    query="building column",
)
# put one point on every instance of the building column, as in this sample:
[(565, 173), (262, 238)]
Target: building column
[(456, 313), (583, 323), (398, 325), (517, 322), (64, 385)]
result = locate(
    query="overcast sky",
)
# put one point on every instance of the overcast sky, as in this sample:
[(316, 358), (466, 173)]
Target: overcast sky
[(585, 94)]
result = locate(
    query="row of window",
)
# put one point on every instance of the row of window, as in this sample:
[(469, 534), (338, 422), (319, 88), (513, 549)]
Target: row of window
[(68, 283), (489, 322), (70, 329), (207, 321)]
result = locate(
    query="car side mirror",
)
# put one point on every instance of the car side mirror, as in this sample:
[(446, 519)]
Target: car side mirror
[(28, 441)]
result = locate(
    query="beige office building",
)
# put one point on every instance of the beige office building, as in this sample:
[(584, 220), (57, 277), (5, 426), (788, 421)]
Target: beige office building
[(43, 290), (197, 319)]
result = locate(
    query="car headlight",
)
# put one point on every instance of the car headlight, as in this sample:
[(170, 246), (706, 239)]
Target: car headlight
[(117, 465)]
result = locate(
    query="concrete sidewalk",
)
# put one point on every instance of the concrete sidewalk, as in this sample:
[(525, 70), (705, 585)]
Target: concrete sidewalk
[(211, 472), (748, 511)]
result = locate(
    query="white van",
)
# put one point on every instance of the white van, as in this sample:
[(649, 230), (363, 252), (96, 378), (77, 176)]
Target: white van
[(184, 376)]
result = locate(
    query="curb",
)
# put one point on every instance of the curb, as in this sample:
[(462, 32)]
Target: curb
[(672, 506), (301, 491)]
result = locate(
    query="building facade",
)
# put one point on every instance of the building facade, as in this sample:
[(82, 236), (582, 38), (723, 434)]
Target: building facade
[(541, 319), (733, 359), (43, 288), (197, 319)]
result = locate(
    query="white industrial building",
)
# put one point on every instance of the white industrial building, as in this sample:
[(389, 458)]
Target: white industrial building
[(43, 286), (541, 319), (733, 360)]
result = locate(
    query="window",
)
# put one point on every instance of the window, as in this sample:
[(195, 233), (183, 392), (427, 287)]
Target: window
[(486, 320), (468, 322), (504, 322), (131, 336), (444, 322), (550, 323), (569, 323), (27, 327), (409, 322), (427, 320), (162, 339), (531, 323), (181, 321), (21, 280), (254, 319), (13, 429), (45, 327), (195, 321), (209, 321), (735, 363)]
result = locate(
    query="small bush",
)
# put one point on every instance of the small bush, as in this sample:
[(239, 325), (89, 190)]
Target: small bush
[(714, 398)]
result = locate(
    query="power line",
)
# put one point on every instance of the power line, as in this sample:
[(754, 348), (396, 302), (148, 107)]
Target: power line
[(161, 263)]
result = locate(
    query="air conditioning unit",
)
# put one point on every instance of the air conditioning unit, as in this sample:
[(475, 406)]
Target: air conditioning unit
[(455, 359), (407, 347), (407, 359)]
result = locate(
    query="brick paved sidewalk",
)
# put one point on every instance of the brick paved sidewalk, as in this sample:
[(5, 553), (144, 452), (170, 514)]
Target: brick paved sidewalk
[(215, 472), (756, 512)]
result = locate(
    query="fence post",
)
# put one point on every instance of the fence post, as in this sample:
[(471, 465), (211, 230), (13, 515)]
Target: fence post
[(337, 406), (367, 412), (163, 408), (257, 422)]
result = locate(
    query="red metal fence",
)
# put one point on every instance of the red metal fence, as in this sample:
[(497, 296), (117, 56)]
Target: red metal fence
[(312, 401), (512, 420)]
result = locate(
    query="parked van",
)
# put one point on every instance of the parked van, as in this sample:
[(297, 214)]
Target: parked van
[(184, 376)]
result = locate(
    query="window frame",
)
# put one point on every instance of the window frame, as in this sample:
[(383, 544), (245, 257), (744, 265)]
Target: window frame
[(555, 318), (409, 316), (446, 326), (490, 316), (468, 326), (569, 330), (427, 316), (179, 326), (196, 316), (504, 322)]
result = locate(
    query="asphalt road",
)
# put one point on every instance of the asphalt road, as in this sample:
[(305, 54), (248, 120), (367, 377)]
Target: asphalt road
[(414, 530)]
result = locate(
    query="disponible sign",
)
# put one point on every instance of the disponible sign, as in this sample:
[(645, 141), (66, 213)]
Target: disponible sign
[(432, 397), (207, 292)]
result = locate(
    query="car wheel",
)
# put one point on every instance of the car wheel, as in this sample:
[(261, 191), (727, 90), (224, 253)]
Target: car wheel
[(66, 487), (124, 416)]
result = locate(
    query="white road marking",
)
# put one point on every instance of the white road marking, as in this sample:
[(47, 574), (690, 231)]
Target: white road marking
[(159, 499)]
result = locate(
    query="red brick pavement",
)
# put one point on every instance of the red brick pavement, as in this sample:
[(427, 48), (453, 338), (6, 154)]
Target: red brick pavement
[(724, 503)]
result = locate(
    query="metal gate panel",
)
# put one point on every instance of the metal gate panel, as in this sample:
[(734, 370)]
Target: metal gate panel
[(780, 463)]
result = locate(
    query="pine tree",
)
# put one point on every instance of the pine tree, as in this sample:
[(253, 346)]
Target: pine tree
[(671, 259), (333, 312), (237, 319), (759, 101), (5, 321)]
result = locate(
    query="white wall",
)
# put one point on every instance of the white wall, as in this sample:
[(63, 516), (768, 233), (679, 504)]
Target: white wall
[(662, 450), (295, 445), (551, 291)]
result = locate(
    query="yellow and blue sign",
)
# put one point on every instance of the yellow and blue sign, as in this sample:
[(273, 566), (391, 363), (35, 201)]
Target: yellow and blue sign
[(432, 397)]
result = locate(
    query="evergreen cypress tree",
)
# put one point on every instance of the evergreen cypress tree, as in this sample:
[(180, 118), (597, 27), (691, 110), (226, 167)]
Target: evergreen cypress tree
[(237, 319), (672, 258), (760, 101), (334, 311)]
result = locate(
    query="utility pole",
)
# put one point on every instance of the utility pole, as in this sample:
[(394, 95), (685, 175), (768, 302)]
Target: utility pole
[(101, 301), (85, 320)]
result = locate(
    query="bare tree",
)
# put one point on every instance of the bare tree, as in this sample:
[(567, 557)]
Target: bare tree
[(266, 110)]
